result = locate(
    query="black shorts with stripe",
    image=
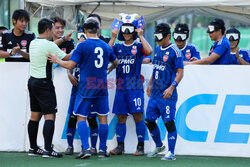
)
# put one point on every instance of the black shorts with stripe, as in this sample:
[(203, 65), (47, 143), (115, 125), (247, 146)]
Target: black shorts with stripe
[(42, 96)]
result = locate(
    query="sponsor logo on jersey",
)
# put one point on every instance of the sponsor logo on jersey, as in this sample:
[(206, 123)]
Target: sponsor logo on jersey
[(159, 67), (120, 51), (10, 43), (64, 49), (23, 43), (165, 57), (126, 61)]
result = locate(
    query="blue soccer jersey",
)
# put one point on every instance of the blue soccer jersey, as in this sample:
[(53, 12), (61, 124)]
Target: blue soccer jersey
[(243, 53), (92, 56), (166, 62), (222, 48), (128, 72), (189, 51)]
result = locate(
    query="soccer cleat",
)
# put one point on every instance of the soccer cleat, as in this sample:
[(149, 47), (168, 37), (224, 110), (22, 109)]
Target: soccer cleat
[(139, 151), (51, 154), (84, 154), (156, 151), (102, 154), (118, 150), (169, 156), (69, 151), (35, 152), (93, 151)]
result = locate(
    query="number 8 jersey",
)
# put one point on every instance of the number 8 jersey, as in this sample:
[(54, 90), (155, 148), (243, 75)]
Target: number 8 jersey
[(128, 72), (165, 61), (93, 56)]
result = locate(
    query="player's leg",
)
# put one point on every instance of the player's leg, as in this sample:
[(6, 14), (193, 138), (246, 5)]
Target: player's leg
[(71, 125), (93, 125), (81, 109), (102, 108), (120, 108), (151, 115), (168, 116), (136, 108)]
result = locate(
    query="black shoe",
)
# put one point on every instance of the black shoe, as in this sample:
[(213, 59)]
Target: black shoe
[(84, 154), (93, 151), (35, 152), (69, 151), (139, 151), (51, 154), (118, 150), (102, 154)]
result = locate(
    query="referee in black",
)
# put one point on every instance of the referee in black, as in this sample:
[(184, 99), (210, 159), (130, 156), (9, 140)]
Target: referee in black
[(41, 89)]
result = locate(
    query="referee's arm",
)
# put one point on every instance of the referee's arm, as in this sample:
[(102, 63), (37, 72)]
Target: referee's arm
[(65, 64)]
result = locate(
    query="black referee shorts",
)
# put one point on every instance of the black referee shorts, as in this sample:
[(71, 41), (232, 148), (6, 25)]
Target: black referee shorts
[(42, 96)]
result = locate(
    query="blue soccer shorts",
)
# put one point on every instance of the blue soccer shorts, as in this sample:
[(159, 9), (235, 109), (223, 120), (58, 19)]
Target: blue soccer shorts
[(128, 102), (89, 107), (166, 108)]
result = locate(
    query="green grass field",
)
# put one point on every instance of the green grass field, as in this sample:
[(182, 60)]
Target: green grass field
[(13, 159)]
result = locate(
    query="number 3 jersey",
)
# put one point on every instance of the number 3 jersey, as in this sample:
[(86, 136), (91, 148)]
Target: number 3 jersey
[(128, 72), (92, 56), (166, 62)]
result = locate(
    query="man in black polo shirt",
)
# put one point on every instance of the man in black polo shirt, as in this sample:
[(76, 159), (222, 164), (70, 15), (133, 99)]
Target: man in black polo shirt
[(15, 42)]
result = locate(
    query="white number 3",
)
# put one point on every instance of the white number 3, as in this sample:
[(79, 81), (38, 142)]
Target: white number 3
[(99, 51)]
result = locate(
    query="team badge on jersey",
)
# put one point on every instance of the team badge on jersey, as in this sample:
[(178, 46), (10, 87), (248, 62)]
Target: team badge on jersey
[(165, 57), (241, 55), (64, 49), (23, 43), (134, 50), (188, 54)]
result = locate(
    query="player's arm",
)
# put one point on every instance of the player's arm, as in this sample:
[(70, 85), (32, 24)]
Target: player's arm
[(19, 51), (114, 35), (4, 54), (72, 78), (65, 64), (241, 61), (65, 38), (207, 60), (150, 84), (147, 49), (169, 91), (3, 48), (113, 66)]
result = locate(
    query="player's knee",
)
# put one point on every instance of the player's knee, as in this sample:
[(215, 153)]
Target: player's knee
[(72, 121), (150, 124), (138, 117), (92, 122), (170, 125), (121, 118)]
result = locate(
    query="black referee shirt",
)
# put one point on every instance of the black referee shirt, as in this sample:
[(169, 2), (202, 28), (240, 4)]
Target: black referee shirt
[(10, 40), (67, 46)]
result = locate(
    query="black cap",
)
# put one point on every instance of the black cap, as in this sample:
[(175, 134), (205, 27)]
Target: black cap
[(163, 28), (91, 23), (215, 25)]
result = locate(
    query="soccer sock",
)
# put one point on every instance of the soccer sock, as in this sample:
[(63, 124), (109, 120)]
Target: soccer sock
[(140, 131), (83, 131), (172, 137), (32, 131), (93, 137), (70, 136), (155, 133), (103, 134), (120, 132), (48, 132)]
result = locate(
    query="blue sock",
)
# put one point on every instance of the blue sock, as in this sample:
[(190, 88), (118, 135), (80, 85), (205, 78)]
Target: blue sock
[(172, 137), (120, 132), (93, 137), (155, 133), (140, 131), (83, 131), (103, 134), (70, 135)]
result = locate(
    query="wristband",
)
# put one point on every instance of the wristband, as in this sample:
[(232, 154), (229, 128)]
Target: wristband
[(174, 83), (11, 53)]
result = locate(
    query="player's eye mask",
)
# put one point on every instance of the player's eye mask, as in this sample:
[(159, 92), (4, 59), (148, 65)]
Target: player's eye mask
[(158, 36), (127, 29), (232, 37), (179, 37), (212, 28)]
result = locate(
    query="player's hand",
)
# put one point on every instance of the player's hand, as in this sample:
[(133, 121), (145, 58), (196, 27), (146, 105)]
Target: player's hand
[(149, 89), (53, 58), (110, 69), (193, 59), (72, 79), (16, 49), (168, 92), (114, 33), (139, 32), (185, 63), (68, 35)]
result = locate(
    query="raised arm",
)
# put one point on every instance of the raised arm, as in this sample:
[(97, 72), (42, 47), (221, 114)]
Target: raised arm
[(146, 47)]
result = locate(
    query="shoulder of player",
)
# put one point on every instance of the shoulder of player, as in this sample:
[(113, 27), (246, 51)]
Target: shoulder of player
[(28, 32), (244, 51), (6, 32), (173, 48)]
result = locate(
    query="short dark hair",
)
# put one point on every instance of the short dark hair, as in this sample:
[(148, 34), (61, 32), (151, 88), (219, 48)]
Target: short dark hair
[(44, 24), (20, 14), (91, 25), (58, 19), (96, 15)]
